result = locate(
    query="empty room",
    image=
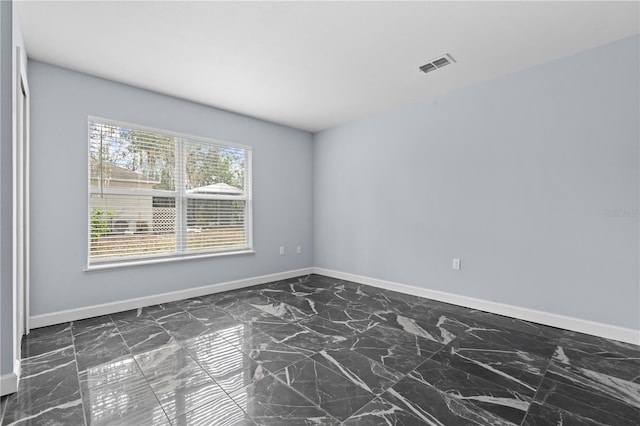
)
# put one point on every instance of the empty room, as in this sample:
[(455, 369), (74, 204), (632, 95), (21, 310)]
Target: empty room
[(319, 213)]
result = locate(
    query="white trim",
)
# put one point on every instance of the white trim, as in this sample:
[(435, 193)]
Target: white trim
[(9, 381), (547, 318), (140, 302), (140, 261)]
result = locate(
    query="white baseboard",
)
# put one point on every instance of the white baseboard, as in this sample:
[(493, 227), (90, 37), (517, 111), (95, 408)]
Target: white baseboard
[(8, 383), (44, 320), (561, 321)]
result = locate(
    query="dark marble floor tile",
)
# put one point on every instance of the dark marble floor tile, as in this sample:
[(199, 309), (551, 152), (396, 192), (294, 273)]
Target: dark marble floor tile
[(248, 314), (162, 307), (54, 389), (507, 403), (220, 412), (379, 301), (342, 284), (304, 280), (364, 372), (183, 327), (146, 338), (266, 351), (236, 308), (67, 413), (232, 298), (92, 325), (307, 304), (268, 401), (599, 346), (227, 301), (257, 298), (104, 348), (512, 368), (300, 338), (494, 338), (348, 299), (280, 292), (90, 338), (390, 355), (266, 324), (47, 339), (178, 382), (330, 331), (438, 306), (410, 341), (124, 402), (610, 360), (47, 362), (383, 413), (622, 391), (212, 298), (543, 415), (193, 303), (231, 369), (593, 406), (163, 312), (338, 394), (45, 385), (236, 332), (282, 310), (353, 319), (437, 329), (408, 299), (120, 369), (436, 407), (519, 325), (210, 315), (221, 323), (132, 319), (169, 361)]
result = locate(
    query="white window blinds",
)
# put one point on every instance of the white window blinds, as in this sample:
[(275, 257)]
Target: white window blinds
[(159, 194)]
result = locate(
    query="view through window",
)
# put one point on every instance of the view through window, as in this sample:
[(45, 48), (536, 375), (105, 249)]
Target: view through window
[(158, 194)]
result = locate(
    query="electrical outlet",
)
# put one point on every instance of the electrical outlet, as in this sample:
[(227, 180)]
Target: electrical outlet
[(281, 251), (299, 249), (456, 264)]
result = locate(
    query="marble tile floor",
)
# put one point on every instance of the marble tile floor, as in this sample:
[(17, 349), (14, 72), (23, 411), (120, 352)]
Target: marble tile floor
[(319, 351)]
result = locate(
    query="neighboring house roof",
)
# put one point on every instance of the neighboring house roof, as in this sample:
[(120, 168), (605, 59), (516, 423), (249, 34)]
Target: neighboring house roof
[(114, 172), (216, 188)]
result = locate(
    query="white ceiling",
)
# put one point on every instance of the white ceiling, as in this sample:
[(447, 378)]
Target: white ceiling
[(313, 65)]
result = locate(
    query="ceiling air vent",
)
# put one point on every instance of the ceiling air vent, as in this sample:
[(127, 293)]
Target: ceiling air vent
[(439, 62)]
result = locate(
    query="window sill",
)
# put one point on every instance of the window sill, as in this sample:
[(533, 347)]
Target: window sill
[(152, 261)]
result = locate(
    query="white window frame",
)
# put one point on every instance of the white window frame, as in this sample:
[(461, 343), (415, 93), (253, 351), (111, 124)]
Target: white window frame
[(180, 194)]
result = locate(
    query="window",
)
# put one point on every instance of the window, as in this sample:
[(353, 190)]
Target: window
[(158, 194)]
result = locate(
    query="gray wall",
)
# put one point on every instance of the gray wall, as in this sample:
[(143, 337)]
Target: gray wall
[(61, 100), (517, 177)]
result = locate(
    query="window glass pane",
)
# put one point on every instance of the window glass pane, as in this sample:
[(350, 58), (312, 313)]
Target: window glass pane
[(215, 224), (130, 159), (129, 225), (214, 169)]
